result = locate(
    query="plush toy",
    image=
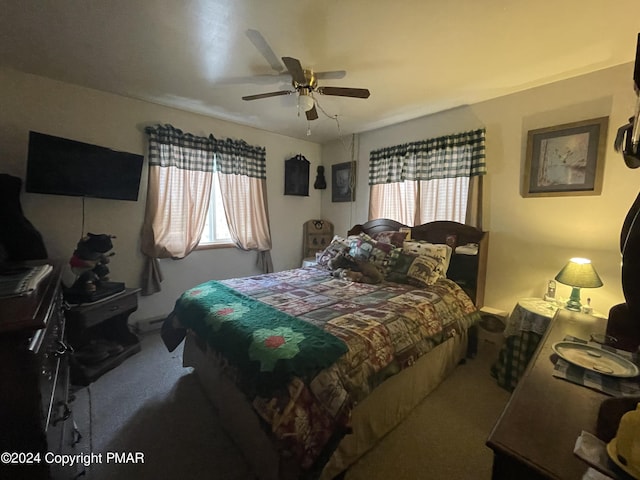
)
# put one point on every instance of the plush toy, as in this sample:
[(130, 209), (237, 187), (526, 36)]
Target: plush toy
[(89, 261), (347, 274), (346, 267)]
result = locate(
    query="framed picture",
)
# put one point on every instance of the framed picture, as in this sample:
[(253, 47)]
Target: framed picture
[(566, 159), (343, 188)]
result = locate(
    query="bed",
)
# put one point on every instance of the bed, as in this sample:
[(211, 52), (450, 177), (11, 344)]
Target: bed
[(308, 369)]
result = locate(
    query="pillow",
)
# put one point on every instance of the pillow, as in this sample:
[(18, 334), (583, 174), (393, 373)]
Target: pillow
[(361, 246), (338, 246), (439, 251), (365, 248), (419, 270), (391, 237)]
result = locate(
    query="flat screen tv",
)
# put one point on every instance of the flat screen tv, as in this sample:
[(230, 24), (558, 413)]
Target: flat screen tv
[(60, 166)]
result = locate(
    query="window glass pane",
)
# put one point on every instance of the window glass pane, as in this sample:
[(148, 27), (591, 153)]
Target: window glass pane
[(396, 201), (444, 199), (216, 229)]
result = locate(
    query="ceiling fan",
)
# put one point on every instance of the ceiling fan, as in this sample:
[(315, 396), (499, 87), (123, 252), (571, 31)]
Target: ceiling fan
[(304, 82)]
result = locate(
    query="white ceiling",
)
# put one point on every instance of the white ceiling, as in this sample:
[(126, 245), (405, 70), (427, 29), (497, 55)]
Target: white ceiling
[(415, 56)]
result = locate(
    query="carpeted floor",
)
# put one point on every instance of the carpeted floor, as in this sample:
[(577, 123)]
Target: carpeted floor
[(151, 404)]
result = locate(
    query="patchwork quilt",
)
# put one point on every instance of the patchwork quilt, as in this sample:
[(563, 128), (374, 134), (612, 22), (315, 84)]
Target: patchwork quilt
[(306, 347)]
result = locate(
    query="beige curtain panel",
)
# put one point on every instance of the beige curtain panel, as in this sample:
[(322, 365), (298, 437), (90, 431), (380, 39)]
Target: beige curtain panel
[(181, 169)]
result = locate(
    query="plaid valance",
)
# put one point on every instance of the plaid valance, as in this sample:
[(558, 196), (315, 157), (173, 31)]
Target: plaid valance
[(239, 158), (450, 156), (170, 147)]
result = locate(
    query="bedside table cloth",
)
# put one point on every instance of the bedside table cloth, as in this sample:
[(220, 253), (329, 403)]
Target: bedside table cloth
[(525, 328)]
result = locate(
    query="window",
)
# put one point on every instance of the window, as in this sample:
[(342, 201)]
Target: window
[(182, 169), (429, 180), (417, 202), (216, 230)]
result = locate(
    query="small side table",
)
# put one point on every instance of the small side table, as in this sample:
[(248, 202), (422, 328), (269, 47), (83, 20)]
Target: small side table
[(104, 320), (525, 328)]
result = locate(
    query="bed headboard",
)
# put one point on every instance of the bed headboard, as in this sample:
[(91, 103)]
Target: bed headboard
[(469, 271)]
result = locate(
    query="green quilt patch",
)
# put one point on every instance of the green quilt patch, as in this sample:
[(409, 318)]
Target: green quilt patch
[(263, 343)]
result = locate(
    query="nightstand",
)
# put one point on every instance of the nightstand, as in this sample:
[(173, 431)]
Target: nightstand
[(100, 335), (525, 327)]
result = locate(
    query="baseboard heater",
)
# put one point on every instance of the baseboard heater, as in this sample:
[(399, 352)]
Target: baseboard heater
[(149, 324)]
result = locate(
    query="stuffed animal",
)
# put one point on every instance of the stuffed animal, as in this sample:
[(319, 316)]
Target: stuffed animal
[(347, 274), (89, 261), (346, 267)]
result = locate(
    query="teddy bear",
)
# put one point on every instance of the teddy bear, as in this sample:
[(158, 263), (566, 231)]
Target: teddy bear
[(89, 261), (347, 268)]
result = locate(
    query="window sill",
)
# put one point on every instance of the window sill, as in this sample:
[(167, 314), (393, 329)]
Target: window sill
[(214, 246)]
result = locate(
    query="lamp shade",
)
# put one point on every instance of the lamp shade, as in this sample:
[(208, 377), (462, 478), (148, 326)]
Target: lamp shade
[(579, 272), (305, 102)]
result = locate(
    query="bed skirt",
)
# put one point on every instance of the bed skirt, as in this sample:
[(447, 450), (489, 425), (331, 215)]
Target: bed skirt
[(372, 419)]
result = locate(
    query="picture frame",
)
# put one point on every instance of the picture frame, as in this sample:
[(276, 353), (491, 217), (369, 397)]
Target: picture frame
[(565, 160), (343, 188)]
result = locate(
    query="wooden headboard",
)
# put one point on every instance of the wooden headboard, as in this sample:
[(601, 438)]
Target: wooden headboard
[(468, 271)]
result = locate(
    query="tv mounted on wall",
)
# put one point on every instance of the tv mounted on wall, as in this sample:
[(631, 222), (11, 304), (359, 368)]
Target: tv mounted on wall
[(60, 166)]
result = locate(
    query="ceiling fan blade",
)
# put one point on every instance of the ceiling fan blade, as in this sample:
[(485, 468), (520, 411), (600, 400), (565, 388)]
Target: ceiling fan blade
[(312, 114), (262, 79), (344, 92), (332, 75), (263, 47), (267, 95), (295, 69)]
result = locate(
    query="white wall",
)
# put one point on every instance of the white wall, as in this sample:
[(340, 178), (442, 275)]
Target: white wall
[(530, 238), (33, 103)]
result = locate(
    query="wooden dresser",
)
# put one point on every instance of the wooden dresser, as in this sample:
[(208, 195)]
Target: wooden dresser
[(35, 411), (535, 436)]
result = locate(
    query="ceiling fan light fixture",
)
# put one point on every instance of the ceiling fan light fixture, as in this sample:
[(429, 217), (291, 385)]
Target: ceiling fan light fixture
[(305, 102)]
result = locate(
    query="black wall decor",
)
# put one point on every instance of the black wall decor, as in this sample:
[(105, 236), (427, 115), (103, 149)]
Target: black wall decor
[(296, 176), (320, 183)]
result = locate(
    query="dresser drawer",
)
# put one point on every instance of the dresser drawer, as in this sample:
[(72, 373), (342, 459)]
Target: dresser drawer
[(52, 358), (88, 316), (33, 379), (50, 387), (62, 433)]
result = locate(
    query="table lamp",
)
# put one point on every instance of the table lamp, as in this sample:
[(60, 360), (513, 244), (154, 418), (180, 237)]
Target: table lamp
[(578, 273)]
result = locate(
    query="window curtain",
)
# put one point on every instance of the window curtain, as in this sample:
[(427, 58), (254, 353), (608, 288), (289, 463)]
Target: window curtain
[(181, 169), (435, 179), (243, 185)]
